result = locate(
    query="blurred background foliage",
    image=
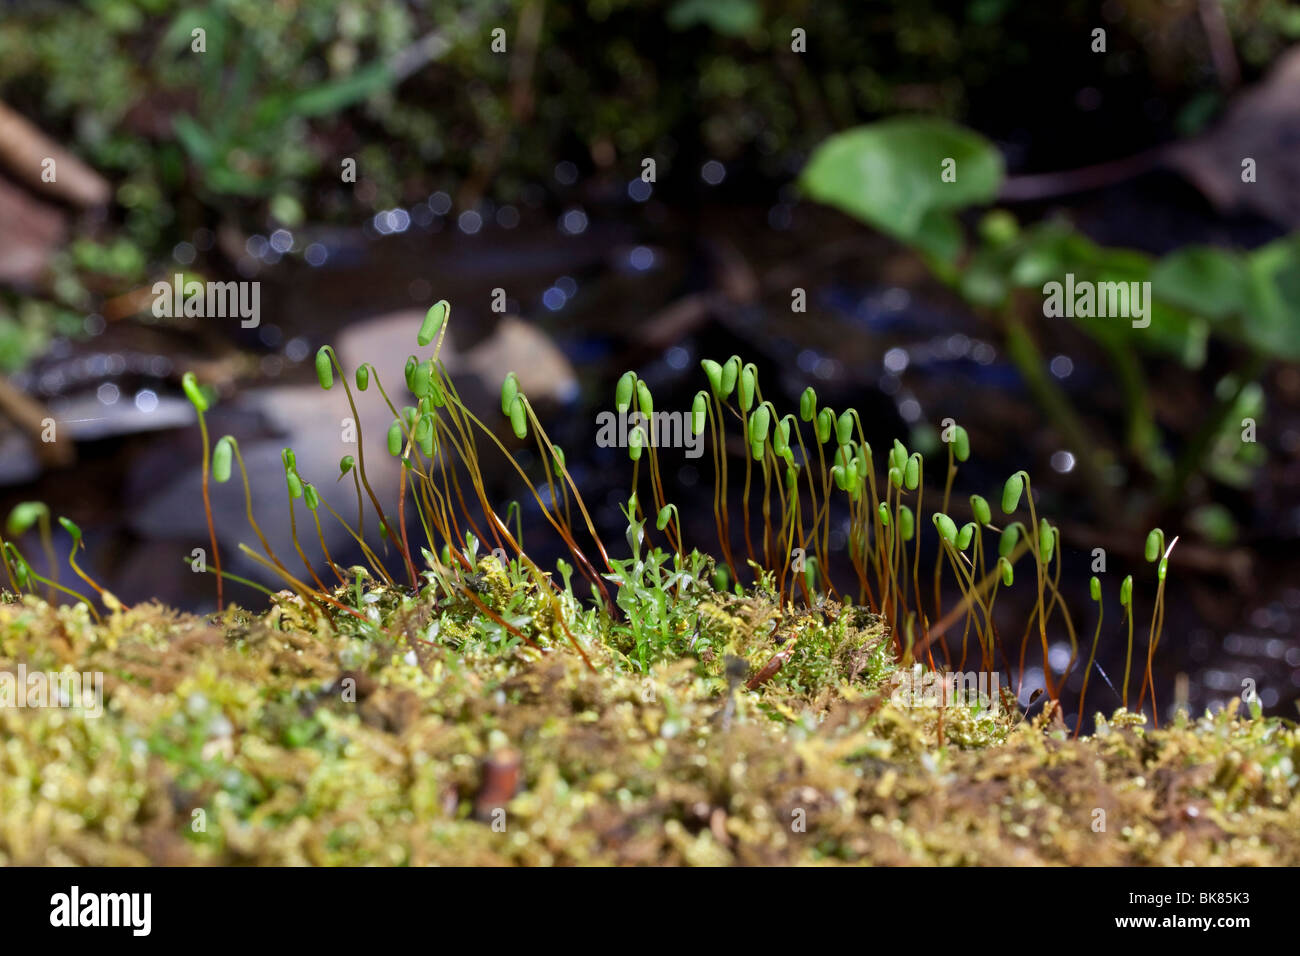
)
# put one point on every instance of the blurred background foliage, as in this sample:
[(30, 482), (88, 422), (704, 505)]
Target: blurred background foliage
[(249, 135), (255, 125)]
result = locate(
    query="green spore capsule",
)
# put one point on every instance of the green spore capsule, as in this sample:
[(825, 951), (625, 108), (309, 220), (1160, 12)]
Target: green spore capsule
[(1008, 573), (289, 459), (1155, 544), (912, 472), (898, 456), (1094, 588), (1126, 591), (412, 363), (713, 372), (825, 425), (519, 418), (979, 507), (756, 450), (635, 440), (190, 386), (721, 578), (882, 512), (24, 515), (221, 456), (960, 444), (624, 390), (345, 464), (295, 484), (730, 373), (965, 536), (363, 376), (906, 523), (699, 412), (509, 390), (421, 382), (748, 383), (759, 424), (1011, 492), (781, 436), (424, 435), (1163, 568), (665, 513), (21, 571), (1010, 538), (309, 496), (1046, 540), (947, 527), (324, 368), (808, 404), (844, 428), (433, 320), (70, 527), (896, 477), (645, 403), (395, 438), (559, 463)]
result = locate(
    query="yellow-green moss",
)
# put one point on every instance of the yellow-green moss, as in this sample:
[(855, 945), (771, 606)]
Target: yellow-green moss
[(306, 741)]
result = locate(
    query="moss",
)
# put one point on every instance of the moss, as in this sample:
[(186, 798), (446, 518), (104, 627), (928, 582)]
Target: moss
[(284, 738)]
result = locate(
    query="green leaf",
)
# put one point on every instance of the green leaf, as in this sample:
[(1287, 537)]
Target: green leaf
[(1269, 322), (1203, 280), (329, 97), (195, 139), (1051, 251), (731, 18), (889, 175)]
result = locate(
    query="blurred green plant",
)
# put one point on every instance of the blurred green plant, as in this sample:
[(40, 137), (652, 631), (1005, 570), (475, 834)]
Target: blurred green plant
[(890, 175)]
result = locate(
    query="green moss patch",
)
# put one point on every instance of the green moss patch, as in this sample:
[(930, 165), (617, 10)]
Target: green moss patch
[(289, 738)]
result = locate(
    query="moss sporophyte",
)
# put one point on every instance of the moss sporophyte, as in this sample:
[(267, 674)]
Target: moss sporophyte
[(800, 471), (714, 705)]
